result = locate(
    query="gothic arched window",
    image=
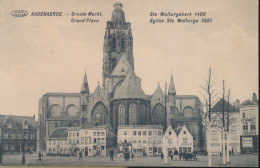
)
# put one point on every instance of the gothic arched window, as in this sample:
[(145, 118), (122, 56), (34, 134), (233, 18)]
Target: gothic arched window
[(132, 114), (114, 44), (143, 114), (121, 114), (158, 115), (113, 62), (99, 114), (122, 44)]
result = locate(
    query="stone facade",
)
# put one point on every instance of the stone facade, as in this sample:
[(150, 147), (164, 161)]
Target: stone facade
[(18, 133), (249, 115)]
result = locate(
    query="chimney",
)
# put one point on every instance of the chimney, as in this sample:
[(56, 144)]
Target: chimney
[(254, 98), (237, 103)]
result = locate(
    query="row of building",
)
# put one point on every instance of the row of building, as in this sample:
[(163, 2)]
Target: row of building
[(142, 140)]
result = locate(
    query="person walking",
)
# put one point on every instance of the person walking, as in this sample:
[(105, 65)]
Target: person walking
[(125, 155), (111, 155), (232, 151), (171, 155), (80, 155), (180, 155), (39, 156), (162, 156), (132, 156)]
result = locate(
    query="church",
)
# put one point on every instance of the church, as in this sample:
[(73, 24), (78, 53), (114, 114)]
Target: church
[(120, 99)]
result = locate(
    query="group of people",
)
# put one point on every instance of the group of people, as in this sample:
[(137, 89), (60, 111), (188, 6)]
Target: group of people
[(127, 156), (182, 155), (230, 152)]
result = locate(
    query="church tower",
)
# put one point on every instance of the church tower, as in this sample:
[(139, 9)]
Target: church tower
[(84, 99), (118, 41), (172, 102)]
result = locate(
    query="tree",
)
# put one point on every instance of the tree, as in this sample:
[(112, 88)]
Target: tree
[(209, 96), (225, 122)]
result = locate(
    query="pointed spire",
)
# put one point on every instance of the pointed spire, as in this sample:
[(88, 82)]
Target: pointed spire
[(172, 86), (84, 87)]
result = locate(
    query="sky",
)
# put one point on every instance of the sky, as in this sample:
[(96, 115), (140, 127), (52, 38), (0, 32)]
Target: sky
[(50, 54)]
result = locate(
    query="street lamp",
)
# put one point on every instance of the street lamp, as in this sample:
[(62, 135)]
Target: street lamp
[(23, 158)]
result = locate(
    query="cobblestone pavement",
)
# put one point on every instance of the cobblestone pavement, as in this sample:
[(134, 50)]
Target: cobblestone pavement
[(247, 160)]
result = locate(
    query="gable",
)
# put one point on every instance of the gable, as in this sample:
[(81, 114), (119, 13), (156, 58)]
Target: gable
[(9, 123), (99, 93), (184, 132), (170, 132), (122, 68)]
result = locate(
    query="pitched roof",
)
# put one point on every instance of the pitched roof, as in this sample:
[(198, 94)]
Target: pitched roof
[(129, 89), (84, 87), (19, 120), (122, 65), (99, 92), (158, 91), (172, 86), (178, 130), (248, 103), (218, 107), (59, 133)]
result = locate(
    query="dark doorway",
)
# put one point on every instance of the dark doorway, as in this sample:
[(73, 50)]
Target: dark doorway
[(86, 151)]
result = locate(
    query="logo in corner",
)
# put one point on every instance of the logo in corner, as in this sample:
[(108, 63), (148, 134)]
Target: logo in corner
[(19, 13)]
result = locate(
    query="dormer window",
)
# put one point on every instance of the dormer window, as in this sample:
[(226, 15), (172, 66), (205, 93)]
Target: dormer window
[(25, 125), (9, 126), (184, 132)]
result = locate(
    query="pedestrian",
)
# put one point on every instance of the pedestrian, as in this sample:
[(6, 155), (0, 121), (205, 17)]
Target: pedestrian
[(1, 153), (39, 156), (220, 154), (180, 155), (232, 151), (162, 156), (125, 155), (171, 155), (111, 155), (132, 156), (80, 155), (128, 155)]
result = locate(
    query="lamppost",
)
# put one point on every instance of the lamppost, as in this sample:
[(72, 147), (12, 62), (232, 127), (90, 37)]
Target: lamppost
[(23, 158)]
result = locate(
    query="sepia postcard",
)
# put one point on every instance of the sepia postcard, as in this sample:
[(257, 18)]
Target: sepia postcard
[(140, 83)]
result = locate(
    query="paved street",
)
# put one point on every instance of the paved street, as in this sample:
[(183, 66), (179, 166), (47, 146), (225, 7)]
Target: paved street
[(237, 161)]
